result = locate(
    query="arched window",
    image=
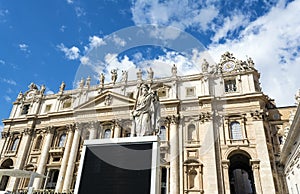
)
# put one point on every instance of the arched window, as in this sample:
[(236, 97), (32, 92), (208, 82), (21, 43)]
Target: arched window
[(192, 135), (38, 143), (162, 134), (15, 143), (62, 140), (107, 134), (236, 130)]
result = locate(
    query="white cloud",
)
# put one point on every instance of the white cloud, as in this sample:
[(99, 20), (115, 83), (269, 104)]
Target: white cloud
[(177, 13), (80, 11), (230, 24), (62, 28), (24, 47), (84, 60), (118, 41), (71, 53), (70, 1), (273, 43), (3, 14), (48, 92), (9, 81), (112, 62), (96, 41), (7, 98)]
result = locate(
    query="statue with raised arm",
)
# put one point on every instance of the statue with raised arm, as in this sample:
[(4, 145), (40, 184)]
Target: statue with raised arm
[(146, 112), (114, 75)]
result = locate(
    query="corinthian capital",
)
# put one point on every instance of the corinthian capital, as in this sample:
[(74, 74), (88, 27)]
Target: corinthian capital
[(28, 131), (70, 127), (49, 129), (173, 119)]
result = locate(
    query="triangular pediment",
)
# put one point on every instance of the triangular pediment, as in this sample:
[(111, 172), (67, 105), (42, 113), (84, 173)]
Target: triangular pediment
[(107, 99)]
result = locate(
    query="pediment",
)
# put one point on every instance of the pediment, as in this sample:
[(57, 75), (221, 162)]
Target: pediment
[(107, 99)]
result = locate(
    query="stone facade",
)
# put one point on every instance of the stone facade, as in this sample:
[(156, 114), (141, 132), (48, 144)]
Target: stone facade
[(219, 132), (290, 157)]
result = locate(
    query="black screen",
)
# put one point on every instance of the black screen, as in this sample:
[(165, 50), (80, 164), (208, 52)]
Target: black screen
[(116, 169)]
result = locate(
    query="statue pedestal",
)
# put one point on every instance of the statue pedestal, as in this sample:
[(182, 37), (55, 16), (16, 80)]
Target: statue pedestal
[(119, 165)]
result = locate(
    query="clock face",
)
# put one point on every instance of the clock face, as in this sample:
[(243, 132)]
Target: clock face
[(228, 66)]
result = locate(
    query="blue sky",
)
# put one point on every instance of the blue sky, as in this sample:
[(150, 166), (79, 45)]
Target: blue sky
[(46, 42)]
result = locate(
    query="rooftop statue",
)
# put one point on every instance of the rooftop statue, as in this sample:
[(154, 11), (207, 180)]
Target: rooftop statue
[(102, 78), (114, 75), (146, 112)]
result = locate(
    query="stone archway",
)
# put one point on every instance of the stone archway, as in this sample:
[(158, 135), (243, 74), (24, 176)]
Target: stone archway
[(240, 174), (7, 164)]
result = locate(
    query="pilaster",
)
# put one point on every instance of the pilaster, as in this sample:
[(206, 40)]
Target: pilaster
[(174, 155), (256, 174), (21, 157), (225, 167)]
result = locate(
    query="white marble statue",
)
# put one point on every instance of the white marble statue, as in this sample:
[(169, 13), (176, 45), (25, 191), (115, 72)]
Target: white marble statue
[(146, 113)]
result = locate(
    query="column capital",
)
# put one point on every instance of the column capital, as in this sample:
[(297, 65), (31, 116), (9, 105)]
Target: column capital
[(28, 131), (4, 134), (48, 129), (93, 124), (173, 119), (255, 164), (205, 116), (118, 122), (70, 127), (225, 164)]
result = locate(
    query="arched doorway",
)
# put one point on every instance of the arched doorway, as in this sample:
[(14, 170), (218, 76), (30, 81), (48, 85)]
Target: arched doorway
[(7, 164), (240, 174)]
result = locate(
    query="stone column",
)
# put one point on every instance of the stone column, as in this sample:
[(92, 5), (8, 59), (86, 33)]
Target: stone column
[(93, 129), (22, 154), (44, 156), (72, 160), (62, 171), (117, 131), (256, 175), (225, 166), (168, 180), (174, 155)]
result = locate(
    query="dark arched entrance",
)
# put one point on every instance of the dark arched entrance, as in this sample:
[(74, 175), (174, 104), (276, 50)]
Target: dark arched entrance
[(241, 175), (7, 164)]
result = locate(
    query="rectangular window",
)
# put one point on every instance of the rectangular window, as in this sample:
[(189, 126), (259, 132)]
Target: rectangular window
[(190, 91), (236, 131), (48, 108), (25, 109), (162, 93), (230, 85)]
